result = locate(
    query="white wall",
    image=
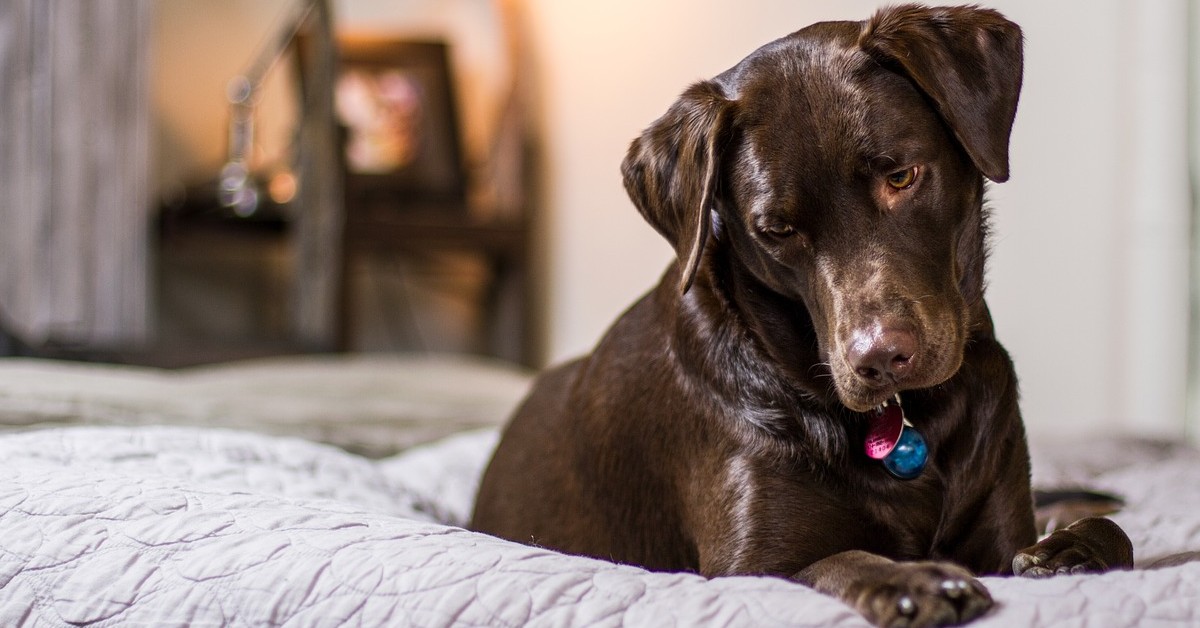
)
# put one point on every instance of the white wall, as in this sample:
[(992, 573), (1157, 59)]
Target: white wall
[(1194, 138), (198, 50), (199, 47), (1094, 227), (1089, 272)]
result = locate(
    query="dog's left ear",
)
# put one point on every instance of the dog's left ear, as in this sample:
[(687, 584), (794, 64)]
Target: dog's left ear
[(672, 170), (968, 61)]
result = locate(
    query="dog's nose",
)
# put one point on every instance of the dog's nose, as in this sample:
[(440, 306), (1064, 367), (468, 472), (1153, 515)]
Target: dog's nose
[(882, 353)]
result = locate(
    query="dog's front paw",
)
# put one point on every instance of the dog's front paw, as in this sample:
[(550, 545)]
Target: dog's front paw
[(922, 594), (1087, 546)]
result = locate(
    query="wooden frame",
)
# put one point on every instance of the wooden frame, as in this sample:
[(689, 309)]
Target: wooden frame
[(396, 102)]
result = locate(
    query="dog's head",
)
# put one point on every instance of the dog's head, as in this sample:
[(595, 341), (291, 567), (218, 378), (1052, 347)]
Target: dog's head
[(842, 168)]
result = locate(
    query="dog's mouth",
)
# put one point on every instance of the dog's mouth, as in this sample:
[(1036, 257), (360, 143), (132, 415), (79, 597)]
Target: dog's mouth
[(874, 400)]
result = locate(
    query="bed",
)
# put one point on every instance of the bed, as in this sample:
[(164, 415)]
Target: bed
[(138, 497)]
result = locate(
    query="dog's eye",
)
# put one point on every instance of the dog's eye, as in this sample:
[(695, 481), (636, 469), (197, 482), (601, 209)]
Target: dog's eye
[(780, 230), (903, 179)]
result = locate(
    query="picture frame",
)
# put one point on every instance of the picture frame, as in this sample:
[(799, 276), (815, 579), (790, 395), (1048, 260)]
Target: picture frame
[(396, 103)]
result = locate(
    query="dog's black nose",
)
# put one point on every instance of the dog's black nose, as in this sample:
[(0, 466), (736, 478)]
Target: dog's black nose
[(882, 353)]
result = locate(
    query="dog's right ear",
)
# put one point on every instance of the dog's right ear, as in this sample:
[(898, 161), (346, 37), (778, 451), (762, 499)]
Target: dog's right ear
[(671, 172)]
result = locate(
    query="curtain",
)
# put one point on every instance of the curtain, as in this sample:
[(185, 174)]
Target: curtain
[(75, 196)]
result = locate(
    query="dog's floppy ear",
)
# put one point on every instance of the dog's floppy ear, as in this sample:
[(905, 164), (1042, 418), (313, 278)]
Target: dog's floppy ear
[(968, 61), (671, 172)]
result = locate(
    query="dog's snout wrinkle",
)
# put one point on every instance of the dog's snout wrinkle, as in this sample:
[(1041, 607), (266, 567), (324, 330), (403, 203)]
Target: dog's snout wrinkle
[(882, 353)]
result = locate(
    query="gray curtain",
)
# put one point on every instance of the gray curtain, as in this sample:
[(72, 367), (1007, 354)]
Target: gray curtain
[(74, 170)]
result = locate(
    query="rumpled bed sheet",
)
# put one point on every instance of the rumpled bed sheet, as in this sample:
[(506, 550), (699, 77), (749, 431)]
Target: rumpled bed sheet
[(190, 527)]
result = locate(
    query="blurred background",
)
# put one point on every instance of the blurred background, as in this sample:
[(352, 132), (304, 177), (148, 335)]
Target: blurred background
[(186, 182)]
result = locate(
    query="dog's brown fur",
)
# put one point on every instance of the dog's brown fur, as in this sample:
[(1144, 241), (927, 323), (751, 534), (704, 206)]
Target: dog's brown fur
[(718, 426)]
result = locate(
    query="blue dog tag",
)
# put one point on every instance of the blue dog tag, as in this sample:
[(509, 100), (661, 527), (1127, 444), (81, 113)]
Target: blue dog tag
[(908, 458)]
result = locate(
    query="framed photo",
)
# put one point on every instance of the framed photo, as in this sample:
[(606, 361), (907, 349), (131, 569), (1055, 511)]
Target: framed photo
[(395, 101)]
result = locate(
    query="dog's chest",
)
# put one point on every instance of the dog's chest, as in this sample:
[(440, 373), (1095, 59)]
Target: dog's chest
[(804, 515), (905, 515)]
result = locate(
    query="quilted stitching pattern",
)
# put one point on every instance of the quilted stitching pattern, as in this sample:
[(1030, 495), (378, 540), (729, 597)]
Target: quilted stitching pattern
[(177, 526)]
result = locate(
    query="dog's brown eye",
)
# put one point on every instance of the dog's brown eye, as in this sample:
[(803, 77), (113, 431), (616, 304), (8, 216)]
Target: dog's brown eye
[(780, 230), (902, 180)]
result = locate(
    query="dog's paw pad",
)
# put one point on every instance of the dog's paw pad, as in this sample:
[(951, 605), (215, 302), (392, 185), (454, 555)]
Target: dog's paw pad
[(954, 589), (1031, 565), (924, 594), (1088, 546)]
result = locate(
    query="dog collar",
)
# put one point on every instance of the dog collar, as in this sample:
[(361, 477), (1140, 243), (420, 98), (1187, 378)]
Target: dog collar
[(892, 439)]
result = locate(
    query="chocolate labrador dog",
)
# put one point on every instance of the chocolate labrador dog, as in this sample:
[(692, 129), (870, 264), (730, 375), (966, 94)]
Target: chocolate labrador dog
[(814, 390)]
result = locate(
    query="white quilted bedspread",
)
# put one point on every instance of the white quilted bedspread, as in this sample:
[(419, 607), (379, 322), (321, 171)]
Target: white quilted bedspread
[(182, 526)]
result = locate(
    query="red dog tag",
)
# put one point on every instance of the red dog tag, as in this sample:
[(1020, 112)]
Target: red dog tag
[(884, 431)]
